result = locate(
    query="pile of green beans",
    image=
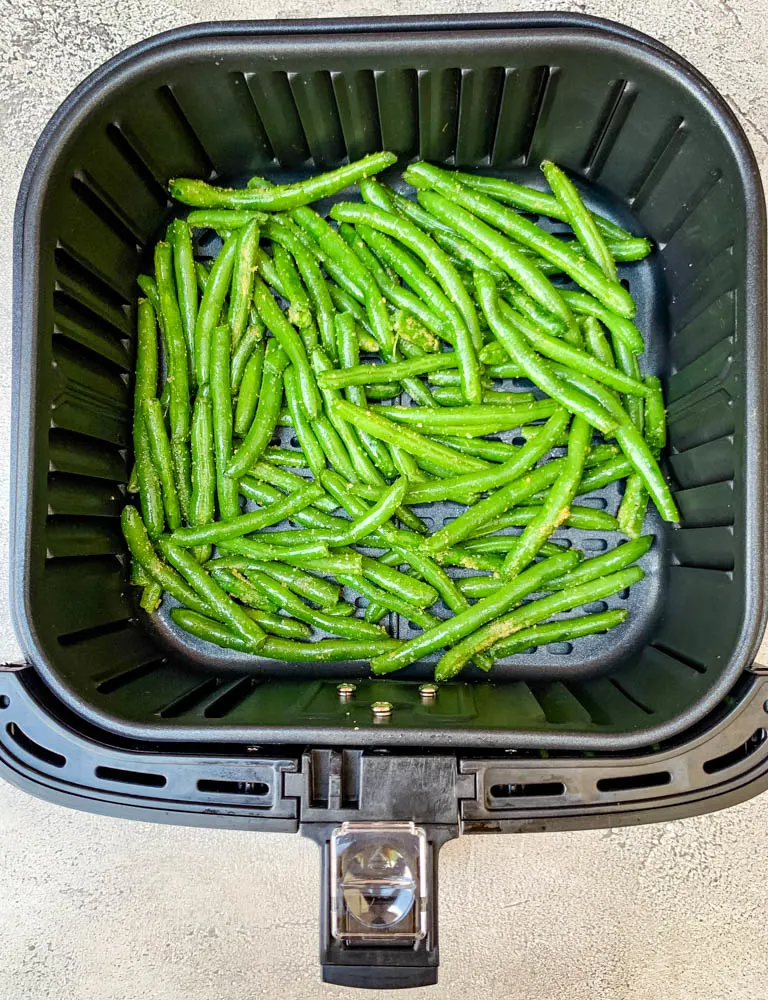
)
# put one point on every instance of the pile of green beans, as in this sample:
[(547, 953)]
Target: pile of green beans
[(433, 306)]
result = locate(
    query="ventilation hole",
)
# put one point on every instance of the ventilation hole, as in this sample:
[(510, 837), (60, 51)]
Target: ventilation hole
[(255, 788), (131, 777), (600, 503), (673, 654), (95, 632), (519, 441), (86, 190), (126, 677), (533, 790), (623, 594), (429, 521), (5, 701), (560, 648), (184, 704), (624, 283), (537, 103), (166, 95), (76, 271), (596, 607), (630, 782), (630, 697), (123, 145), (604, 132), (594, 545), (230, 699), (29, 746), (738, 753), (294, 442)]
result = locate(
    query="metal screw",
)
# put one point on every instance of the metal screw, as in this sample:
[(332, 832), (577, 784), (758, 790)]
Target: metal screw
[(428, 692), (381, 710), (346, 691)]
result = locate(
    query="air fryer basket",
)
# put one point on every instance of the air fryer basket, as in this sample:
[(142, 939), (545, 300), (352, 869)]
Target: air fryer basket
[(658, 150), (112, 714)]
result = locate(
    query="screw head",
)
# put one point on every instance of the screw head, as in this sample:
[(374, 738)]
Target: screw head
[(381, 710), (346, 691), (428, 692)]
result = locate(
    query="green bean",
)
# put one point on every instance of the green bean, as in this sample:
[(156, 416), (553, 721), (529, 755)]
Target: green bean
[(407, 439), (186, 284), (416, 592), (621, 328), (533, 311), (211, 305), (586, 518), (302, 426), (469, 621), (580, 219), (494, 353), (285, 456), (563, 631), (274, 197), (300, 554), (467, 329), (471, 520), (479, 586), (151, 597), (304, 584), (506, 544), (221, 409), (492, 451), (288, 482), (608, 562), (160, 449), (203, 505), (406, 464), (250, 340), (505, 326), (470, 421), (242, 279), (178, 377), (602, 475), (349, 357), (299, 309), (373, 192), (450, 395), (374, 613), (371, 374), (248, 397), (349, 628), (284, 232), (236, 585), (378, 515), (573, 357), (655, 415), (596, 341), (387, 390), (556, 507), (501, 251), (202, 274), (634, 503), (333, 448), (583, 272), (219, 602), (245, 524), (633, 445), (390, 601), (263, 426), (262, 493), (291, 343), (148, 285), (144, 554), (493, 633), (223, 220), (145, 388), (626, 361)]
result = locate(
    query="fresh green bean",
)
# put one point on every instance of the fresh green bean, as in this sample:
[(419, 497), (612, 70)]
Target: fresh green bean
[(506, 544), (288, 482), (333, 447), (469, 621), (564, 631), (580, 219), (371, 374), (634, 503), (415, 334), (245, 524), (621, 328), (211, 305), (612, 561), (279, 197), (160, 449), (655, 415), (144, 554), (505, 325), (416, 592), (305, 433), (556, 507), (493, 633), (489, 419), (378, 515), (310, 517), (349, 628), (596, 340), (285, 456), (602, 475), (145, 388), (309, 587), (223, 220), (450, 395), (299, 554), (186, 284), (388, 600), (586, 518), (249, 341), (583, 272), (491, 451), (221, 408), (263, 426), (412, 442), (236, 585), (242, 280), (178, 374), (248, 397)]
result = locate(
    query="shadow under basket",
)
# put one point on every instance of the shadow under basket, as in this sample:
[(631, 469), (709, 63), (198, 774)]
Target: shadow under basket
[(652, 146)]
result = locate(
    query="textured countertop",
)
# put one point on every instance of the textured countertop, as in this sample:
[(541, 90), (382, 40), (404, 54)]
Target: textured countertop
[(100, 909)]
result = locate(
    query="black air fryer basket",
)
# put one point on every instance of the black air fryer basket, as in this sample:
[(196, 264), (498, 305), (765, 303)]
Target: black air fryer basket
[(112, 714)]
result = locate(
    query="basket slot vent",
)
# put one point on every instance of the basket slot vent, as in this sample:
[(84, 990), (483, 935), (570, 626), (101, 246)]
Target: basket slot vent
[(397, 93), (78, 324), (80, 495), (630, 697), (713, 462), (357, 108), (123, 777), (703, 287), (122, 679), (192, 142), (319, 115), (254, 789), (89, 192), (82, 595), (79, 283), (680, 658), (34, 749), (715, 323), (80, 455), (738, 754), (94, 632), (230, 698), (89, 398), (707, 506), (705, 421), (531, 790), (153, 187), (91, 235), (709, 370), (190, 699), (82, 536), (634, 782), (478, 106), (663, 152), (521, 101), (438, 113), (617, 104), (679, 228), (707, 548)]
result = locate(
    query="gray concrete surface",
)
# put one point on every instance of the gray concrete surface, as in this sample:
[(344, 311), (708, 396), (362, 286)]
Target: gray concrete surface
[(96, 909)]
